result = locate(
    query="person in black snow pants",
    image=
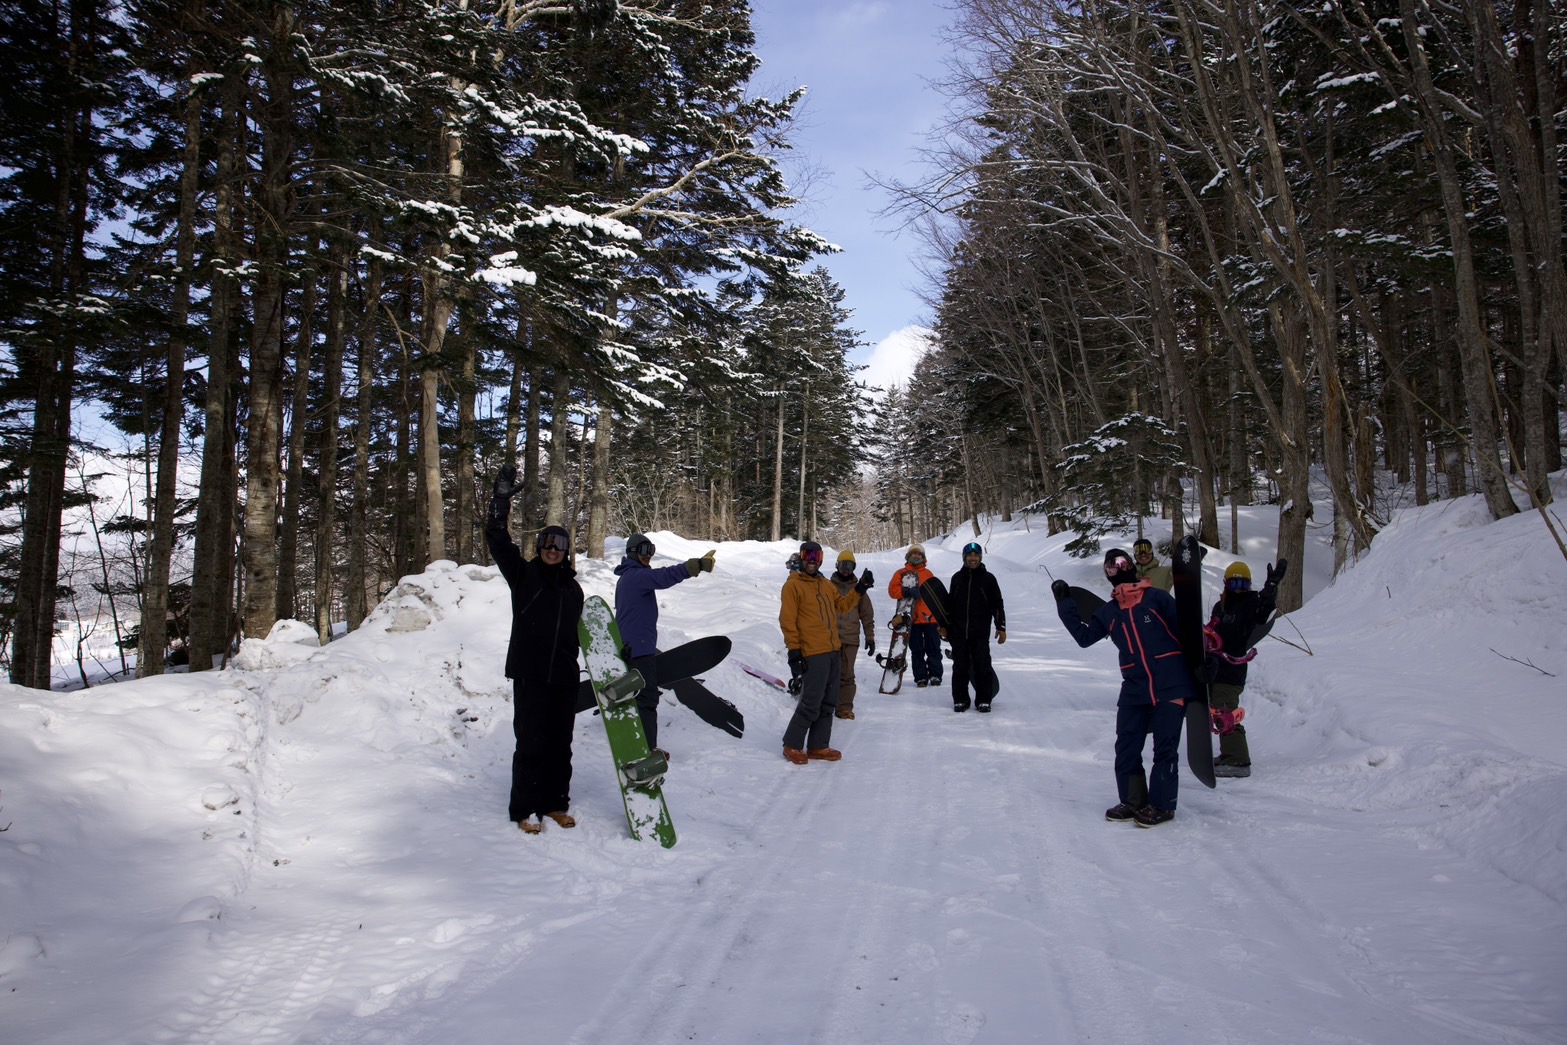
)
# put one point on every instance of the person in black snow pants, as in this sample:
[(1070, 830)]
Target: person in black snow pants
[(541, 661), (973, 601), (1155, 685), (636, 613)]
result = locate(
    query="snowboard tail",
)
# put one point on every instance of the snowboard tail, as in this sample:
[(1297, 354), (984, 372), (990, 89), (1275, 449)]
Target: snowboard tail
[(638, 771), (1187, 569)]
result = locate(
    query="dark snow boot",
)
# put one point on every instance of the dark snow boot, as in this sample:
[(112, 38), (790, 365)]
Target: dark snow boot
[(1120, 814), (1153, 816)]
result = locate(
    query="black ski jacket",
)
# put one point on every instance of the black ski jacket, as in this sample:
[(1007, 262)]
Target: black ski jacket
[(973, 601), (546, 603), (1234, 617)]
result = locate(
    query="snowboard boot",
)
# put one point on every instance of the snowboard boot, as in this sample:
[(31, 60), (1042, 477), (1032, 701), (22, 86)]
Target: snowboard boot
[(1153, 816), (1225, 768), (1120, 814), (983, 707), (960, 705)]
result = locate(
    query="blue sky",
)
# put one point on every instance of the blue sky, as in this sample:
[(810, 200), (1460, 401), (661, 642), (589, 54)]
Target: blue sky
[(867, 64)]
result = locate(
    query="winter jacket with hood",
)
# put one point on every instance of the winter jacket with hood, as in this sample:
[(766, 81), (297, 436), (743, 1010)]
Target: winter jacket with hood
[(922, 614), (546, 603), (636, 607), (973, 601), (808, 613), (1140, 620), (852, 622), (1161, 575)]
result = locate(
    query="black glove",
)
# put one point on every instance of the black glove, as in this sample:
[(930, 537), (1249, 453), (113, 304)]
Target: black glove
[(870, 646), (1276, 574), (506, 484), (796, 663), (1061, 590), (866, 580)]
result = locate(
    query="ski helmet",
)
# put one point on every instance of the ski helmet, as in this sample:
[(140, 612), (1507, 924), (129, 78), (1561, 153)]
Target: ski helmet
[(1237, 577), (810, 551), (1118, 567), (638, 545)]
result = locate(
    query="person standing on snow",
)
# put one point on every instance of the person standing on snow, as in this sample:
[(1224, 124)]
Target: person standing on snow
[(541, 661), (924, 636), (1155, 685), (973, 601), (808, 616), (1150, 568), (850, 624), (636, 613), (1227, 638)]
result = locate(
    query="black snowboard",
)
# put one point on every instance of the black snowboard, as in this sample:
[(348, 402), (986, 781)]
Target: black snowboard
[(709, 706), (933, 594), (1187, 568), (1087, 602), (672, 665)]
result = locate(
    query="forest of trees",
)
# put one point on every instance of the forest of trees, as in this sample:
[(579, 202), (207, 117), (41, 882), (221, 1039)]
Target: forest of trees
[(1254, 244), (346, 259), (353, 256)]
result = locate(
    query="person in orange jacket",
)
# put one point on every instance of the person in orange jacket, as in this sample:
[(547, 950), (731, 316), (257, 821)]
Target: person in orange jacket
[(924, 635), (808, 617)]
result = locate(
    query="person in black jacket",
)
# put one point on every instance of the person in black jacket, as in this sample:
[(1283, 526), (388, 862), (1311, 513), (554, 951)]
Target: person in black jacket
[(1228, 638), (973, 601), (541, 661)]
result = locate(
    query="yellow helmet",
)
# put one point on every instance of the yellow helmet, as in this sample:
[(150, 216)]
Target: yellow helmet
[(1238, 569)]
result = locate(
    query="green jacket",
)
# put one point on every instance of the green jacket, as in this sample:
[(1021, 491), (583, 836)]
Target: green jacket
[(1156, 572)]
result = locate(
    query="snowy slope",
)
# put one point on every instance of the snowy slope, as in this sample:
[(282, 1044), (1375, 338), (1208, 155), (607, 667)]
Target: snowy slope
[(313, 845)]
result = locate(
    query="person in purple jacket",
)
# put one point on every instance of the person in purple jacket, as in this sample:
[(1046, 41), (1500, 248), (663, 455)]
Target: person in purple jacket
[(1155, 685), (636, 612)]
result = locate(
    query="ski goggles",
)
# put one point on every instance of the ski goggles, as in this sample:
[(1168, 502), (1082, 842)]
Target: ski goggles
[(813, 555), (846, 565), (1117, 565), (915, 560), (972, 548), (1140, 552), (640, 549), (1237, 584), (553, 542)]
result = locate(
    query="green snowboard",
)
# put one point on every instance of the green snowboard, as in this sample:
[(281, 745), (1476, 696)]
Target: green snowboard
[(615, 686)]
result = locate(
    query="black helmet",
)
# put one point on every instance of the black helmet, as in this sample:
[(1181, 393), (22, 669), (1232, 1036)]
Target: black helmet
[(638, 545)]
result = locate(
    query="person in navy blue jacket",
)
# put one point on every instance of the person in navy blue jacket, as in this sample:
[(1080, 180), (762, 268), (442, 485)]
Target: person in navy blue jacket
[(541, 661), (636, 612), (1155, 685)]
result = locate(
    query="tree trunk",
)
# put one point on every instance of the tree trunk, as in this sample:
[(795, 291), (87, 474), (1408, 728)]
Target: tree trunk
[(265, 424), (155, 591), (211, 588), (331, 399), (358, 514), (598, 511)]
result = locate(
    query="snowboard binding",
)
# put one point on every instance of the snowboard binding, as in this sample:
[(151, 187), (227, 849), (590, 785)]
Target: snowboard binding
[(1226, 719)]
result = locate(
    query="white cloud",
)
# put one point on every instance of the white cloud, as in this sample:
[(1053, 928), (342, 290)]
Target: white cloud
[(894, 358)]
